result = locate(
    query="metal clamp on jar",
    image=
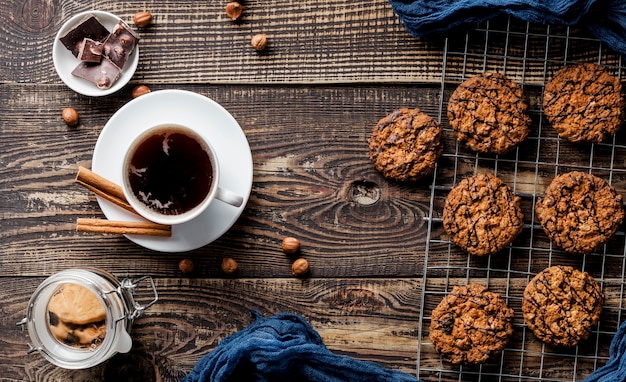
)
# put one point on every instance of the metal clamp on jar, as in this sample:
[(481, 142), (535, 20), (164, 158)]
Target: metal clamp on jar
[(79, 318)]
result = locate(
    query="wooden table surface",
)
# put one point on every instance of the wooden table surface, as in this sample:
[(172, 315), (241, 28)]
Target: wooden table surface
[(380, 261)]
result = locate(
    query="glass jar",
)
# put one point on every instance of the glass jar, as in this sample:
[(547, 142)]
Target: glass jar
[(79, 318)]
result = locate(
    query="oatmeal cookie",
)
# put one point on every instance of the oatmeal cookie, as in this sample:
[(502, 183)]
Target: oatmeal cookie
[(76, 316), (584, 103), (470, 325), (579, 212), (561, 305), (489, 113), (482, 215), (75, 304), (405, 145)]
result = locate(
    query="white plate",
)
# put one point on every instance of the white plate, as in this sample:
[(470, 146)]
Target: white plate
[(208, 119), (65, 62)]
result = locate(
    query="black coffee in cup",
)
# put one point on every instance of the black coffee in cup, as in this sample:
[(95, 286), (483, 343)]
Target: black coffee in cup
[(169, 170)]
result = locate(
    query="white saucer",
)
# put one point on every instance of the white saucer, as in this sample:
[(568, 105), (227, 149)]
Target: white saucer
[(208, 119), (65, 62)]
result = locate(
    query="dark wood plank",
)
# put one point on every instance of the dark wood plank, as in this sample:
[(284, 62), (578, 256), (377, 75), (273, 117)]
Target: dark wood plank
[(195, 42), (326, 42), (311, 164), (367, 319), (374, 320)]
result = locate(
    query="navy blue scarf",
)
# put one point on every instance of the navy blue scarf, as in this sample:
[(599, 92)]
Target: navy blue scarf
[(615, 369), (606, 19), (284, 348)]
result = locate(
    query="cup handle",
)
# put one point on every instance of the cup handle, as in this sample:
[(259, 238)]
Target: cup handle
[(229, 197)]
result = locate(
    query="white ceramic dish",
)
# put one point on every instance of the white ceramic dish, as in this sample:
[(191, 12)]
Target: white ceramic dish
[(208, 119), (65, 62)]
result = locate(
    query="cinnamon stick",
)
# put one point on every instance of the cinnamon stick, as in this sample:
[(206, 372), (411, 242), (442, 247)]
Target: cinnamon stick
[(113, 193), (122, 227), (102, 187)]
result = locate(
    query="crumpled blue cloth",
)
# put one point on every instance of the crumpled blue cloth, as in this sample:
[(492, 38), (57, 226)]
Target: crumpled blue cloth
[(615, 369), (284, 348), (605, 19)]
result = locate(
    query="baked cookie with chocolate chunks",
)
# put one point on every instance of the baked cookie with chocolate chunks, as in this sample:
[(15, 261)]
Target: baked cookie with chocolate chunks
[(579, 212), (561, 305), (489, 113), (77, 317), (405, 145), (482, 215), (584, 103), (470, 325)]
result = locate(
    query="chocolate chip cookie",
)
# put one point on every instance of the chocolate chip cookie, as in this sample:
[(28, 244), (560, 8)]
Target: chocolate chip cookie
[(561, 305), (470, 325), (77, 317), (579, 212), (405, 145), (482, 215), (489, 113), (584, 103)]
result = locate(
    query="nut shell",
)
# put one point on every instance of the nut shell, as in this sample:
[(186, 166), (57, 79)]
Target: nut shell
[(142, 19), (186, 266), (229, 266), (259, 41), (300, 267), (70, 116), (290, 245), (234, 10), (140, 90)]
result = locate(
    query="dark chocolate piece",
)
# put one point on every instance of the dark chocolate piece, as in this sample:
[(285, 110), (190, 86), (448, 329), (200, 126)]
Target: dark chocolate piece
[(103, 74), (120, 44), (88, 27), (90, 51)]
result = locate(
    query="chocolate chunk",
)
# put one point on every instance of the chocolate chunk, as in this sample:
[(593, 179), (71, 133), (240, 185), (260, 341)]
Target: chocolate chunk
[(120, 44), (90, 51), (88, 27), (103, 74)]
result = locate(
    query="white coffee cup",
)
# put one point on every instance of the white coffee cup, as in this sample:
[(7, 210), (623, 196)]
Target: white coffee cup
[(171, 175)]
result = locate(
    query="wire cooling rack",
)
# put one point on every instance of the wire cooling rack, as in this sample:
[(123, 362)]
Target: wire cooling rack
[(528, 54)]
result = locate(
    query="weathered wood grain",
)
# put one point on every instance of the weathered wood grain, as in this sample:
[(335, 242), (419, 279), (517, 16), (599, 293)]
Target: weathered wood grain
[(380, 260), (375, 320), (334, 41), (368, 319), (311, 172), (195, 42), (313, 180)]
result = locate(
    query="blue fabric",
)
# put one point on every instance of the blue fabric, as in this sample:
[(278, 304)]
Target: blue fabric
[(284, 348), (606, 19), (615, 369)]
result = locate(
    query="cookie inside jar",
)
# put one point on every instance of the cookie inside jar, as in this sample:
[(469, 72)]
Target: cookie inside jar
[(77, 317)]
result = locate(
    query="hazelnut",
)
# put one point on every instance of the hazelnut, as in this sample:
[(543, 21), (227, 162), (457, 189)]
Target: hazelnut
[(103, 82), (186, 266), (70, 116), (140, 90), (290, 245), (234, 10), (259, 41), (229, 266), (142, 19), (300, 267)]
